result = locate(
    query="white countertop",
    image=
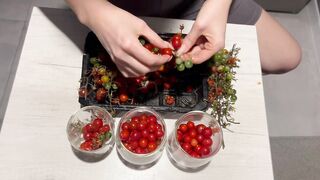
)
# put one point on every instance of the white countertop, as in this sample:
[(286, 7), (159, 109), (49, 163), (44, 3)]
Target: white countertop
[(33, 141)]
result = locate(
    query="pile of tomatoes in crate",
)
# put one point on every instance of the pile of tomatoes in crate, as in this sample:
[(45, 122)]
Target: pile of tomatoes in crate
[(108, 85)]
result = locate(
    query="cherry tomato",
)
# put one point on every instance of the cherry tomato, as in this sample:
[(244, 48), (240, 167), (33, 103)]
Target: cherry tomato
[(166, 51), (105, 128), (124, 135), (105, 79), (192, 133), (207, 142), (176, 41), (135, 119), (152, 127), (152, 146), (190, 125), (101, 94), (95, 135), (83, 92), (143, 117), (186, 147), (102, 71), (143, 143), (152, 119), (152, 137), (139, 150), (159, 133), (188, 64), (134, 144), (197, 149), (166, 86), (97, 81), (87, 146), (186, 138), (142, 126), (194, 154), (145, 133), (135, 135), (200, 138), (207, 132), (98, 123), (200, 128), (87, 136), (149, 47), (189, 89), (205, 151), (194, 142), (123, 98), (125, 126), (133, 125), (183, 128), (90, 128)]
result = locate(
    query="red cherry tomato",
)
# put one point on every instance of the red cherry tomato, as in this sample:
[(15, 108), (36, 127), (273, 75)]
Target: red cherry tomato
[(101, 94), (200, 138), (143, 143), (124, 135), (192, 133), (135, 135), (142, 126), (200, 128), (197, 149), (135, 119), (133, 125), (207, 142), (125, 126), (159, 133), (152, 146), (207, 132), (143, 117), (183, 128), (87, 136), (190, 125), (105, 128), (87, 146), (186, 147), (152, 127), (145, 133), (90, 128), (98, 123), (205, 151), (83, 92), (149, 47), (152, 137), (176, 41), (186, 138), (166, 51), (123, 98), (152, 119)]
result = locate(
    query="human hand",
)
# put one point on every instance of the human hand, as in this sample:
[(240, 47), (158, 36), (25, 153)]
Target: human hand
[(207, 35), (118, 32)]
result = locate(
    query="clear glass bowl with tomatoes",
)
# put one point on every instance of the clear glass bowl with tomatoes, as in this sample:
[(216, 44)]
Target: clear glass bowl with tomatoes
[(141, 136), (196, 138), (90, 130)]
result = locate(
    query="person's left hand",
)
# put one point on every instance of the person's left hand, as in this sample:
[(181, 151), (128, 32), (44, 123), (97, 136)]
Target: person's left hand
[(207, 35)]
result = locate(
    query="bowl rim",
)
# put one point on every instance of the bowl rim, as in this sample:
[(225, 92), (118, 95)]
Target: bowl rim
[(111, 124), (142, 109)]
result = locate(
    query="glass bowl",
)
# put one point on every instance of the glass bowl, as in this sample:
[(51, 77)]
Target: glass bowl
[(179, 155), (144, 158), (80, 119)]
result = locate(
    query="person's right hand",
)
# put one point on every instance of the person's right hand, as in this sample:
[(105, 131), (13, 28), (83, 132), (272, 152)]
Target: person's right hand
[(118, 31)]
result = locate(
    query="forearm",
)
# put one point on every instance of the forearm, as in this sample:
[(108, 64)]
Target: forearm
[(87, 9)]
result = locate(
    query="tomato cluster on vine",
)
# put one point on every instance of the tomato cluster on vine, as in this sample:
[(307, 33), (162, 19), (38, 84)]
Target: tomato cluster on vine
[(141, 134), (95, 134)]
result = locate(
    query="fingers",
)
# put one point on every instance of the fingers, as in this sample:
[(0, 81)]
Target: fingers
[(189, 40), (131, 67), (154, 38), (146, 57), (200, 55)]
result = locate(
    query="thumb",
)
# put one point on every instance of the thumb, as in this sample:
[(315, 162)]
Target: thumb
[(189, 41)]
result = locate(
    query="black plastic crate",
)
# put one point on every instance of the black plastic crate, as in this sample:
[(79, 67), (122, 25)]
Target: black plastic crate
[(184, 101)]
